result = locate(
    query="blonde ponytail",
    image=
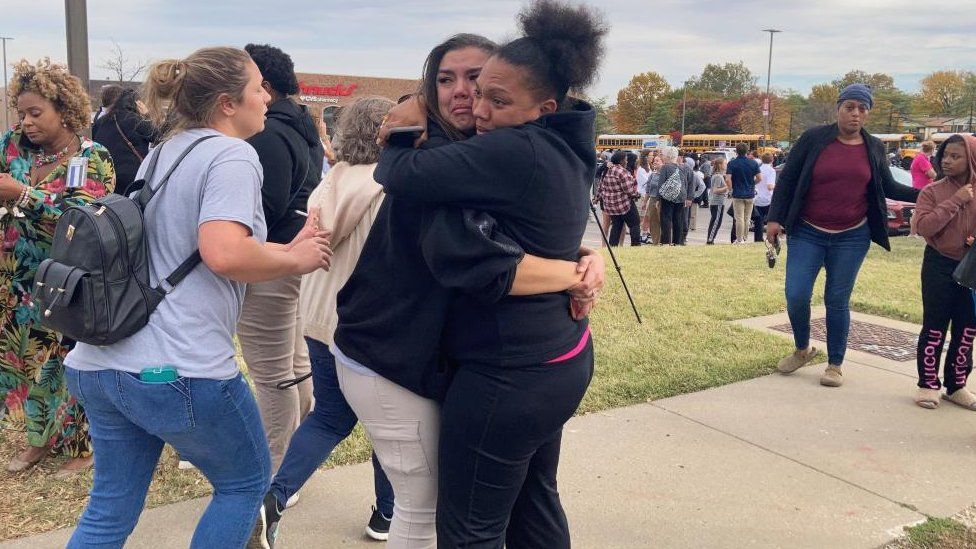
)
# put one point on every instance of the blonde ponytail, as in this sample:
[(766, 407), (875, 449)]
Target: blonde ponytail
[(183, 93)]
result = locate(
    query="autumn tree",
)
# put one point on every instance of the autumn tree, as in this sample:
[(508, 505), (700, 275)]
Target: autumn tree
[(879, 81), (603, 123), (728, 80), (751, 120), (942, 91), (821, 105), (639, 102)]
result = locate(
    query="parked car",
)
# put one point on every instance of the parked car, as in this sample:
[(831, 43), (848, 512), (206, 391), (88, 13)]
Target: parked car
[(900, 213)]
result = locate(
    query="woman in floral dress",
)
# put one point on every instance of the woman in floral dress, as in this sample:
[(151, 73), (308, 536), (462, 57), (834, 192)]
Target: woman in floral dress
[(53, 109)]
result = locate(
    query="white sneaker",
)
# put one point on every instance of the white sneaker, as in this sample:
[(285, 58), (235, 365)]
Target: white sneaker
[(293, 500)]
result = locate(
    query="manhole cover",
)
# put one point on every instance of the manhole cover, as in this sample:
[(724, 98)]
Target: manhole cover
[(890, 343)]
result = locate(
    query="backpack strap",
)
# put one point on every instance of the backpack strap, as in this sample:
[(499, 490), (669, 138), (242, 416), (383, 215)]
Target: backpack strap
[(147, 193), (177, 276)]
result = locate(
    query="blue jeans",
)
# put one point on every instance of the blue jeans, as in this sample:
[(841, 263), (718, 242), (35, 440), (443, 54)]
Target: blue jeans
[(328, 424), (212, 423), (841, 255)]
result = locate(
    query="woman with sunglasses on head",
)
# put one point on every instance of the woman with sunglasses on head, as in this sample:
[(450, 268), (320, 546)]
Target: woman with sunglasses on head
[(523, 364)]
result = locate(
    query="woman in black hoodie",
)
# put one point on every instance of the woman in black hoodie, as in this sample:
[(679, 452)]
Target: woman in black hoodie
[(270, 328), (126, 133), (523, 364)]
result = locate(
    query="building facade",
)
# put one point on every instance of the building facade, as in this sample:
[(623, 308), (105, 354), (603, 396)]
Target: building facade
[(324, 94)]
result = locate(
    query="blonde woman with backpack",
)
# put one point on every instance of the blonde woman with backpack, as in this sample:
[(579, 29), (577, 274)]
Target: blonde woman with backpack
[(176, 380)]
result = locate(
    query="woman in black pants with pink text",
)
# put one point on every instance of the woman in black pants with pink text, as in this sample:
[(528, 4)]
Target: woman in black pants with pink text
[(946, 218), (523, 363)]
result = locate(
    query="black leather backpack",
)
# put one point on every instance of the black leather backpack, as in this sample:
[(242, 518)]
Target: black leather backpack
[(95, 286)]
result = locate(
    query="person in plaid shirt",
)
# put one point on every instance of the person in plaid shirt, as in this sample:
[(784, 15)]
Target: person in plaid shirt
[(617, 192)]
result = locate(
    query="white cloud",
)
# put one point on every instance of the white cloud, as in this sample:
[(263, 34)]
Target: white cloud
[(821, 39)]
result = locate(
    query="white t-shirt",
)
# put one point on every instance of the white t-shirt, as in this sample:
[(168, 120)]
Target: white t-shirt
[(193, 328), (642, 177), (764, 195)]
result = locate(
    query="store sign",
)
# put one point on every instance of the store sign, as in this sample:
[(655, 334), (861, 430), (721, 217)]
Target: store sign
[(334, 91), (318, 99)]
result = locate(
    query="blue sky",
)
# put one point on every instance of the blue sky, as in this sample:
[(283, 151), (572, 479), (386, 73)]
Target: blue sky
[(823, 39)]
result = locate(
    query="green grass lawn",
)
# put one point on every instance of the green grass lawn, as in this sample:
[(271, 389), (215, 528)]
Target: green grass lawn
[(937, 533), (687, 297)]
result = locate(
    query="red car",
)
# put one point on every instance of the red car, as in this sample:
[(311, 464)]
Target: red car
[(900, 213)]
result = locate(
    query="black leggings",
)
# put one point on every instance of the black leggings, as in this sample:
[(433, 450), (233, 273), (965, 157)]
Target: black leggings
[(944, 302), (501, 430), (715, 223), (633, 225), (672, 222)]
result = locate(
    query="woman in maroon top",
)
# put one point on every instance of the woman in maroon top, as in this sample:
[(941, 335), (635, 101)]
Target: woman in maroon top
[(946, 218), (830, 199)]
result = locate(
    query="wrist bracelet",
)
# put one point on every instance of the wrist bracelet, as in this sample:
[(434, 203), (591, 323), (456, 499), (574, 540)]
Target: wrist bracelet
[(25, 197), (20, 196)]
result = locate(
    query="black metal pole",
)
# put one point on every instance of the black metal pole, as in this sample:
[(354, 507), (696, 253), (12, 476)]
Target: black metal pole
[(613, 258)]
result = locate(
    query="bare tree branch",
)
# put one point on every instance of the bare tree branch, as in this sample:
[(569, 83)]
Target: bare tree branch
[(122, 69)]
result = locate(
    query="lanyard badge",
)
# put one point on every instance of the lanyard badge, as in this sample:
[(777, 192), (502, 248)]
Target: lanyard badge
[(77, 168)]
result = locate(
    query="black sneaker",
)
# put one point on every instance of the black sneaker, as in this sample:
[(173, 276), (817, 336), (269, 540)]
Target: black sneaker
[(266, 527), (379, 526)]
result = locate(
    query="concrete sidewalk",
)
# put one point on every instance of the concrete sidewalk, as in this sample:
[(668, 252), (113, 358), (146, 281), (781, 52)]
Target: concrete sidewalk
[(777, 461)]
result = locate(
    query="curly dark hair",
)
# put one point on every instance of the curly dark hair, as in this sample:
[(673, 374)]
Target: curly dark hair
[(276, 67), (53, 82), (561, 47)]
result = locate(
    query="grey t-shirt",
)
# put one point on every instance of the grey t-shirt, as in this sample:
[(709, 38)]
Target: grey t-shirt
[(193, 328), (717, 181)]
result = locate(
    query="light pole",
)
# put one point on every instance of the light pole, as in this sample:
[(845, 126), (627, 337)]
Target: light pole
[(6, 107), (769, 70), (684, 104), (76, 30)]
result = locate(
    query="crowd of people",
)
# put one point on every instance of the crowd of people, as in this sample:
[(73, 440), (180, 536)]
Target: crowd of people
[(431, 286), (627, 188)]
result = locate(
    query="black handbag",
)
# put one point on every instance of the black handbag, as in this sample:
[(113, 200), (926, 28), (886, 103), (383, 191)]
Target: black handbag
[(965, 272)]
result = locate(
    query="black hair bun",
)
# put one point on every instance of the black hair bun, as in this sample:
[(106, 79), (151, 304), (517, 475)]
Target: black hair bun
[(570, 36)]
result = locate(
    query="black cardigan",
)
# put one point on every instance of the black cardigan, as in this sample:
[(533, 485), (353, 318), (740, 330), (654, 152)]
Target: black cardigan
[(794, 182)]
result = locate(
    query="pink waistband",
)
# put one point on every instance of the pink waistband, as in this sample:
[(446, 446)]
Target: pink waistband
[(575, 350)]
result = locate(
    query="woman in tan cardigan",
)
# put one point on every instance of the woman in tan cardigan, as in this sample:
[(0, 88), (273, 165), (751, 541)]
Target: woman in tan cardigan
[(346, 202)]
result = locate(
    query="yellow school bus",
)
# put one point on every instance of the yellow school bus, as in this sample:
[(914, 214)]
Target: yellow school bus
[(632, 142), (701, 142), (902, 143)]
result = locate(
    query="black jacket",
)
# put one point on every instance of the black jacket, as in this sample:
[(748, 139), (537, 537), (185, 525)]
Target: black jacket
[(794, 182), (393, 308), (132, 127), (534, 179), (291, 155)]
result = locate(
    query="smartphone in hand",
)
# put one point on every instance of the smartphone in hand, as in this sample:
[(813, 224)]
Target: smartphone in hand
[(404, 136)]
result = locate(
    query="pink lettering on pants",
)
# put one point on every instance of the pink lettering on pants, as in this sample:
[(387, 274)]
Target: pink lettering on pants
[(930, 359)]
